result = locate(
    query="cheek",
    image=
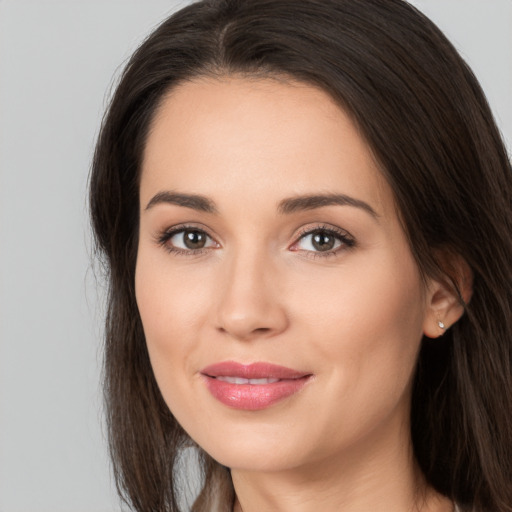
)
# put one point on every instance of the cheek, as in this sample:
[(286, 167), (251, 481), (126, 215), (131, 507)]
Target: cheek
[(366, 328), (374, 302), (390, 318), (171, 306)]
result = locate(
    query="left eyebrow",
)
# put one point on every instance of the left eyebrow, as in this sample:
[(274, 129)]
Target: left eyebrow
[(310, 202)]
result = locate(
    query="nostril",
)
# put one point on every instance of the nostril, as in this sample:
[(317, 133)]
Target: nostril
[(249, 315), (241, 331), (257, 330)]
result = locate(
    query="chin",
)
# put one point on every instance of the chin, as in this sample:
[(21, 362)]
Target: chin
[(260, 446), (255, 459)]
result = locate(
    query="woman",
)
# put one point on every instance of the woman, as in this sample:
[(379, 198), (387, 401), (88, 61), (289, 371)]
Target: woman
[(305, 213)]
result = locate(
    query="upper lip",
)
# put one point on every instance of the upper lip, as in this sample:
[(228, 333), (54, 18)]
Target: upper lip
[(259, 370)]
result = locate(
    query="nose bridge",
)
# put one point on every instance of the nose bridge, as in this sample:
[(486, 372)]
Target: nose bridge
[(249, 302)]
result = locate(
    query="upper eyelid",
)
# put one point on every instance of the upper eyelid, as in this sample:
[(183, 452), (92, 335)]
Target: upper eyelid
[(301, 232), (324, 227), (341, 233), (185, 227)]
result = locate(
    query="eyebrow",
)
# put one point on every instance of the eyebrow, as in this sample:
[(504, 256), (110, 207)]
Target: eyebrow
[(196, 202), (285, 207), (310, 202)]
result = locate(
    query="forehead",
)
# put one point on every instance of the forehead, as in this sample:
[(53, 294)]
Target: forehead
[(245, 138)]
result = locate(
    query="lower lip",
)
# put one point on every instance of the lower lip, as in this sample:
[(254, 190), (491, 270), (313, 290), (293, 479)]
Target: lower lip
[(254, 397)]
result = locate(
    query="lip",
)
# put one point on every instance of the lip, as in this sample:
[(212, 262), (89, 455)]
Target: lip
[(284, 382)]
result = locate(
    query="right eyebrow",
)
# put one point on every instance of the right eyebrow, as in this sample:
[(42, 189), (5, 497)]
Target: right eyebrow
[(196, 202)]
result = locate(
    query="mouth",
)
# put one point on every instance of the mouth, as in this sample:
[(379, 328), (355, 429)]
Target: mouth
[(254, 386)]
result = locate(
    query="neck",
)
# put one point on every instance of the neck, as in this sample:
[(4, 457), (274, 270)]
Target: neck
[(378, 474)]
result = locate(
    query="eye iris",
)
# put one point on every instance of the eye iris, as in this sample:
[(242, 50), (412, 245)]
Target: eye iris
[(323, 241), (194, 239)]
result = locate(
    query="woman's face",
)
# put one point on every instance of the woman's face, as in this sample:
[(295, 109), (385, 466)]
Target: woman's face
[(270, 249)]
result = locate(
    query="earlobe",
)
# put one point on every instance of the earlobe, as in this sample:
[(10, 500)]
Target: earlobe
[(447, 297), (444, 308)]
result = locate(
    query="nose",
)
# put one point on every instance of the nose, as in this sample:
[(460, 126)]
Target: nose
[(250, 304)]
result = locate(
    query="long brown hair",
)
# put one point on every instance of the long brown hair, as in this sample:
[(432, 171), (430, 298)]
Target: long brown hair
[(429, 126)]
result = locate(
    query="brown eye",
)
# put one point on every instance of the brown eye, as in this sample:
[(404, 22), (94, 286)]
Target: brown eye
[(187, 239), (194, 239), (322, 241), (326, 241)]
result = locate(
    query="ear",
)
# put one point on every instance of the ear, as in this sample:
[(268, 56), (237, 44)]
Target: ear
[(447, 295)]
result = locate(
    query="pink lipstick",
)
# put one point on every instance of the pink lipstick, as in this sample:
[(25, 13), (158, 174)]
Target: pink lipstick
[(253, 386)]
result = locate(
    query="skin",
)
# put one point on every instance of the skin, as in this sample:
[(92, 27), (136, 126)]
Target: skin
[(259, 290)]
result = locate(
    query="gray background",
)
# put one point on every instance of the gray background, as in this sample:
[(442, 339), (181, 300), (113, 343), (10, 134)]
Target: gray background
[(57, 62)]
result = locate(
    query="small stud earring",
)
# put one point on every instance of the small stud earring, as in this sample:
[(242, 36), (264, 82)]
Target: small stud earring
[(441, 325)]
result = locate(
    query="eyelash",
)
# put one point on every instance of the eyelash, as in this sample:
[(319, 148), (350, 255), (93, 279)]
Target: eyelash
[(164, 237), (347, 241)]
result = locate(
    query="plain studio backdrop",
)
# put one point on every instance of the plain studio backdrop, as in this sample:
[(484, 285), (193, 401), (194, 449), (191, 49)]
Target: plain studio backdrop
[(58, 59)]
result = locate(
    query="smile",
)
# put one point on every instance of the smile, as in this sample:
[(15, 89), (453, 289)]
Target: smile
[(252, 387)]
